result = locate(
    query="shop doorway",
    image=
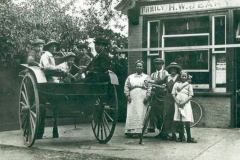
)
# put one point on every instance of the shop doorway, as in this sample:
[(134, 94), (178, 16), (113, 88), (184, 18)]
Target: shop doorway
[(237, 114)]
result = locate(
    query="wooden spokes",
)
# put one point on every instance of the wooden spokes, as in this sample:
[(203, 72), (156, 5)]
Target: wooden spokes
[(105, 116), (28, 109)]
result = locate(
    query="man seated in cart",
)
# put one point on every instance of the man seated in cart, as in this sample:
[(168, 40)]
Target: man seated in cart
[(48, 64), (34, 55), (101, 61)]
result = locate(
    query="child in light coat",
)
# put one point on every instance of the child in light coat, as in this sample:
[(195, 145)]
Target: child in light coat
[(182, 93)]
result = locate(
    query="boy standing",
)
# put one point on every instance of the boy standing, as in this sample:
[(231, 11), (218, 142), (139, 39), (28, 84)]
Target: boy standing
[(157, 115)]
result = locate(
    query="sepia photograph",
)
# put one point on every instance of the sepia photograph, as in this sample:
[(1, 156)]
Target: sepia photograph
[(119, 79)]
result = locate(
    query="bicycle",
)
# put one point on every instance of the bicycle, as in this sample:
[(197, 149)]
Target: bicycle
[(149, 107), (197, 112), (196, 109)]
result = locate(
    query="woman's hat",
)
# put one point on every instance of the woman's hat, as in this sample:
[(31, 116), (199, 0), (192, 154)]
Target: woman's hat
[(50, 43), (158, 60), (139, 61), (67, 55), (37, 42), (174, 65)]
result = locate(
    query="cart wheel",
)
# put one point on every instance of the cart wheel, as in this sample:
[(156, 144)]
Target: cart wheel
[(105, 116), (28, 109)]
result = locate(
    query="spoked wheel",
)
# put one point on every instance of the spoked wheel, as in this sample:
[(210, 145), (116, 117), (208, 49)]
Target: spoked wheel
[(145, 123), (105, 116), (28, 109), (197, 112)]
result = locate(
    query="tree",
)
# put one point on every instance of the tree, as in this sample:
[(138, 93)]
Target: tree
[(49, 19), (101, 13)]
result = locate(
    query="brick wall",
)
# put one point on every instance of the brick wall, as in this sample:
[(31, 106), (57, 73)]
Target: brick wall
[(134, 41), (216, 111)]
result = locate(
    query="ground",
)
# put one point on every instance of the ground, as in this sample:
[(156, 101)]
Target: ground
[(79, 143)]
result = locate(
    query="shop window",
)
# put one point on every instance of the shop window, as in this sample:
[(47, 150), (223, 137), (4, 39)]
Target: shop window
[(194, 61), (186, 40), (187, 25), (219, 33), (154, 36), (185, 36)]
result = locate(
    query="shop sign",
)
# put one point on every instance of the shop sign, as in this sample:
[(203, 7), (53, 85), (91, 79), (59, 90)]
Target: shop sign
[(189, 6)]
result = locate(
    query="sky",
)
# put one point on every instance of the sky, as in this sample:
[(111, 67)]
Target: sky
[(81, 4)]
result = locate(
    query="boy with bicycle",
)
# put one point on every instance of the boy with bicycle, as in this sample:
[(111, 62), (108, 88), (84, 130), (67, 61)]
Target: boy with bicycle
[(157, 114)]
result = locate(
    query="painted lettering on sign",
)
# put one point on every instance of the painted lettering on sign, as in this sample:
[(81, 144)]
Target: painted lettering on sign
[(189, 6)]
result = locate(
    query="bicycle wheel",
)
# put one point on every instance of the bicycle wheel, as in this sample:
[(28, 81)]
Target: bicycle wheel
[(145, 123), (197, 113)]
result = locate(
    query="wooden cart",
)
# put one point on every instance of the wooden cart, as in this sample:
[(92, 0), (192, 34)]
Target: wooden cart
[(97, 99)]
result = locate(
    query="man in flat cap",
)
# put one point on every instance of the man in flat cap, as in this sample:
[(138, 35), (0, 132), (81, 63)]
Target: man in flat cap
[(100, 54), (98, 45), (34, 55), (160, 74), (157, 116)]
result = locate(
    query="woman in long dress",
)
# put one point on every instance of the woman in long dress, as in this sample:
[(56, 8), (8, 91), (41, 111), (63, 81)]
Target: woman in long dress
[(137, 92), (174, 70)]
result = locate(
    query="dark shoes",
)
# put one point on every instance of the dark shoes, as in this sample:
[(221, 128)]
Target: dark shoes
[(163, 136), (181, 139), (55, 135), (191, 140), (39, 136), (132, 135)]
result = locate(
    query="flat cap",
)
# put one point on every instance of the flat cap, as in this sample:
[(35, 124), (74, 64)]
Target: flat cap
[(158, 60)]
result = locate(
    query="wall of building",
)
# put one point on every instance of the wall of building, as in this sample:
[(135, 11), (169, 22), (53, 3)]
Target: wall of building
[(216, 111), (134, 41)]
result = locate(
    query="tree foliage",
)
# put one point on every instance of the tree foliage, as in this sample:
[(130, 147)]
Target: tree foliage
[(49, 19)]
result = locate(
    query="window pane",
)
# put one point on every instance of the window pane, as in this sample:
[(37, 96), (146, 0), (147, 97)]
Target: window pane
[(189, 60), (200, 77), (154, 36), (187, 25), (186, 41), (220, 33)]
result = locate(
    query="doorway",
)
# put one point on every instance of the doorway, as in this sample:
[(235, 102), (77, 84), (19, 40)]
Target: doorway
[(237, 114)]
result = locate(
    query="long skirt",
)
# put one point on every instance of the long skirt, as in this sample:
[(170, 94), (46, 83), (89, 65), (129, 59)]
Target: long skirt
[(136, 111), (169, 109)]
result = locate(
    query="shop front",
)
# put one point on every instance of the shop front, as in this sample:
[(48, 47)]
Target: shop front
[(201, 36)]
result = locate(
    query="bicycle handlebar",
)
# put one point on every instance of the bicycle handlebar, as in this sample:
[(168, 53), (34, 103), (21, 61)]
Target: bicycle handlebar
[(155, 85)]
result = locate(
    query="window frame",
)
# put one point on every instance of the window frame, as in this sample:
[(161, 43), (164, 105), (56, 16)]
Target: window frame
[(187, 35), (211, 51), (148, 37), (213, 33)]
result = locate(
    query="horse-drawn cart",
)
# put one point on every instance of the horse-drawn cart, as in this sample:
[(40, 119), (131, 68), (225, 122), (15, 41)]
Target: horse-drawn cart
[(98, 99)]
